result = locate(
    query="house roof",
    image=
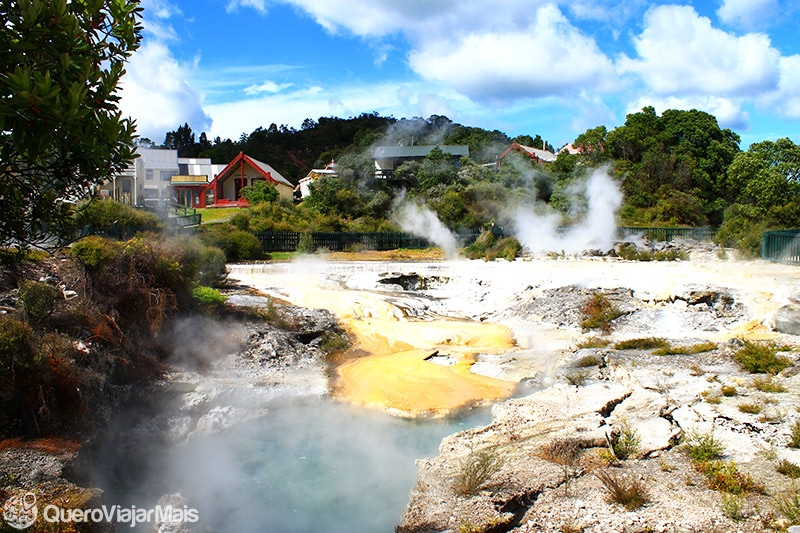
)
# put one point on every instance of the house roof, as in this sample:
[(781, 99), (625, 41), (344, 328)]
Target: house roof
[(158, 158), (533, 153), (269, 173), (389, 152)]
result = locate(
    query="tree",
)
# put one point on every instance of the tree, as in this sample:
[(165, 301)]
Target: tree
[(259, 192), (61, 132)]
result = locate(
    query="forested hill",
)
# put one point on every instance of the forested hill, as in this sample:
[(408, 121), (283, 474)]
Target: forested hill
[(675, 169), (294, 152)]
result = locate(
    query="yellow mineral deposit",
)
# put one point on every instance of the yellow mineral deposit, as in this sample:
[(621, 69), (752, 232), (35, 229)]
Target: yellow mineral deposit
[(399, 375)]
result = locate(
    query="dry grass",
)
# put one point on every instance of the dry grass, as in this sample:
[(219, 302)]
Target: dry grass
[(629, 493), (475, 471), (648, 343)]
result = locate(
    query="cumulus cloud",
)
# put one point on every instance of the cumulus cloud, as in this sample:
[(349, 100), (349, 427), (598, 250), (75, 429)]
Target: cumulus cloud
[(680, 53), (155, 93), (155, 90), (748, 14), (787, 99), (549, 57)]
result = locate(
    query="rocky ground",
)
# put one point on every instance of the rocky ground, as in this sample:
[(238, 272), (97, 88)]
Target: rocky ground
[(547, 462)]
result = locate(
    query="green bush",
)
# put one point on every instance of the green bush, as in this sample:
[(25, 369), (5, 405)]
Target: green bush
[(38, 299), (236, 244), (94, 252), (106, 214), (246, 246), (599, 312), (15, 346), (208, 296), (761, 358), (703, 447)]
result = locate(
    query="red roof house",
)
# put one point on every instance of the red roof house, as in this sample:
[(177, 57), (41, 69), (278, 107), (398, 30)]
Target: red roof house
[(242, 172)]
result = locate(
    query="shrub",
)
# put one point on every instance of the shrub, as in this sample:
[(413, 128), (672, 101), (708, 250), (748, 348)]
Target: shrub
[(788, 504), (15, 346), (208, 297), (733, 507), (794, 435), (37, 299), (761, 358), (598, 312), (94, 252), (333, 342), (476, 470), (788, 468), (728, 391), (245, 246), (702, 447), (625, 442), (630, 493), (642, 344), (724, 476), (108, 213)]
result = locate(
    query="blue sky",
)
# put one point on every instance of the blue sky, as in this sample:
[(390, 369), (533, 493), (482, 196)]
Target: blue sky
[(530, 67)]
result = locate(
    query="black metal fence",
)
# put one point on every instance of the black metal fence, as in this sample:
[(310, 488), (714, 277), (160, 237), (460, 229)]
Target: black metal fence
[(289, 241), (781, 245), (668, 234)]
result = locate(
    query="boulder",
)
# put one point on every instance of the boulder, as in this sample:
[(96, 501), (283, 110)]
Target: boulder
[(787, 319)]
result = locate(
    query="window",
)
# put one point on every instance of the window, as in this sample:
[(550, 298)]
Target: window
[(166, 175), (148, 174)]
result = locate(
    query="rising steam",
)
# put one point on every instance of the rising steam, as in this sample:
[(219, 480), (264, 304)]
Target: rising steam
[(418, 219), (538, 229)]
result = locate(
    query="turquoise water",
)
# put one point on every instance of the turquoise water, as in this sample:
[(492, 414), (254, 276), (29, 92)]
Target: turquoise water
[(310, 465)]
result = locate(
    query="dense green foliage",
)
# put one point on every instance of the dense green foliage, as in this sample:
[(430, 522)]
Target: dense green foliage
[(676, 169), (60, 129)]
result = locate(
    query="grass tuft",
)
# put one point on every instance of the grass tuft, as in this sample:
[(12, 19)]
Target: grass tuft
[(587, 361), (751, 408), (647, 343), (593, 342), (629, 493), (794, 436), (693, 349), (476, 470), (768, 384)]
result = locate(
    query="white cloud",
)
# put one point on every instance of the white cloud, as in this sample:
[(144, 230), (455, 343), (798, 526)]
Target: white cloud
[(748, 14), (258, 5), (680, 53), (549, 57), (231, 119), (155, 93), (787, 99), (266, 87)]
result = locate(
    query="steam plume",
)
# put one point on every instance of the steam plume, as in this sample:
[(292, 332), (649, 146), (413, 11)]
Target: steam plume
[(538, 229), (418, 219)]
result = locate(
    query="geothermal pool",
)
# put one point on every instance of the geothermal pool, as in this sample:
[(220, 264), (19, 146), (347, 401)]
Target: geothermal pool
[(345, 462)]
